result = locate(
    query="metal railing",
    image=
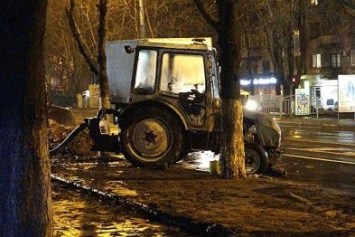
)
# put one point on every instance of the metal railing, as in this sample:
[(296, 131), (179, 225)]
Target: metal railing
[(275, 104), (278, 105)]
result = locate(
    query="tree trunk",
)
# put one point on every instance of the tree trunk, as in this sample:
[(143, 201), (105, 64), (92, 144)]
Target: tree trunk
[(25, 190), (288, 90), (103, 79), (300, 67), (232, 144)]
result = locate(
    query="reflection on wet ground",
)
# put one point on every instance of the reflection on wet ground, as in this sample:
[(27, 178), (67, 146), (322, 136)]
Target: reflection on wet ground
[(324, 156), (347, 137), (327, 174), (76, 215)]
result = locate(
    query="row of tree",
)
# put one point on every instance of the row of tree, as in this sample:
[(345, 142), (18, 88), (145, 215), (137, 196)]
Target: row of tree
[(64, 64), (277, 21), (278, 26)]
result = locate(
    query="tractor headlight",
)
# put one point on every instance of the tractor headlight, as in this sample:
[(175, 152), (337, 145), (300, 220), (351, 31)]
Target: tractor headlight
[(251, 105)]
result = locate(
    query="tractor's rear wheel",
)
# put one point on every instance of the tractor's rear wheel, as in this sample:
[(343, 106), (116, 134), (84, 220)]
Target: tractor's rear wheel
[(151, 137)]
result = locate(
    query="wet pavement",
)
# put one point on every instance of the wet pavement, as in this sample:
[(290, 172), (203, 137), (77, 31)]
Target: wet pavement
[(321, 153), (77, 214), (101, 182)]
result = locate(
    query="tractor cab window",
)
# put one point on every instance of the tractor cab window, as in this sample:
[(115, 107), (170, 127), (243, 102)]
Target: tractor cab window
[(182, 73), (146, 72), (216, 83)]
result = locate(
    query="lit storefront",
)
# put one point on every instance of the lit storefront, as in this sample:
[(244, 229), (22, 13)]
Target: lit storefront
[(329, 95), (263, 85)]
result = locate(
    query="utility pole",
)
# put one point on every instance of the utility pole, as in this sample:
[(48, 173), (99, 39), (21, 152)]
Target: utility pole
[(142, 33)]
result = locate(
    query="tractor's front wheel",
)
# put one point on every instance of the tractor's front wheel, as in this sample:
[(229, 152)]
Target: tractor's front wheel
[(256, 159)]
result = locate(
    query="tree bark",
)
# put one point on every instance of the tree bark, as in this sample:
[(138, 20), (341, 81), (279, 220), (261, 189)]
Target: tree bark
[(301, 25), (25, 190), (232, 160), (103, 79), (232, 144)]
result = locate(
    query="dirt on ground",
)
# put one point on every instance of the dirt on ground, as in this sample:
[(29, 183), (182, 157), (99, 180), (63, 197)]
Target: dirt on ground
[(262, 205)]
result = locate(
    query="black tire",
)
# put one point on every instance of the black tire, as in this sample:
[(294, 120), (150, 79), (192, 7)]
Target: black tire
[(184, 152), (151, 137), (256, 160)]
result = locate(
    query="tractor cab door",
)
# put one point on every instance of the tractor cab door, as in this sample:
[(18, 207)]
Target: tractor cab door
[(183, 76)]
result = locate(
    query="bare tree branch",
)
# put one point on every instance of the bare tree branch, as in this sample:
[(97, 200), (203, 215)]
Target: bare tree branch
[(78, 39), (208, 18)]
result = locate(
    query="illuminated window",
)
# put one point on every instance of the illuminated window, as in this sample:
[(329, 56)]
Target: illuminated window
[(182, 73), (145, 75), (335, 60), (296, 42), (316, 60), (314, 2), (352, 58)]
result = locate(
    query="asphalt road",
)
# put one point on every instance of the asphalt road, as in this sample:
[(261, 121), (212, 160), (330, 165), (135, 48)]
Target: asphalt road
[(324, 155)]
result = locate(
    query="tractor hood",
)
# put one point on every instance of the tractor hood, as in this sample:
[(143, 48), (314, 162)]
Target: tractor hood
[(268, 130)]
